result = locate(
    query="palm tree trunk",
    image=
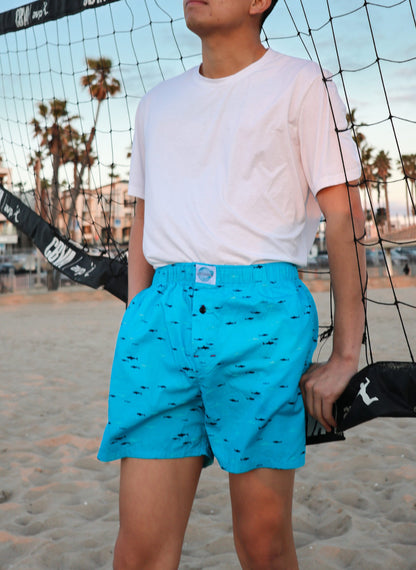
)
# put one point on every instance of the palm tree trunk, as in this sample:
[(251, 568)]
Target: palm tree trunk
[(407, 190), (40, 191), (387, 207), (84, 164), (55, 189)]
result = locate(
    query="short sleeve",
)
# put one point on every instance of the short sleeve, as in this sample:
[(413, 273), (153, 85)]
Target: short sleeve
[(137, 163), (328, 152)]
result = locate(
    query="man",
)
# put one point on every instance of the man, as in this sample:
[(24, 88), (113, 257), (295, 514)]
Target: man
[(230, 161)]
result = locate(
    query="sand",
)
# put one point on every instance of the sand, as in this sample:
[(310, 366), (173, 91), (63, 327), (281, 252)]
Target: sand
[(355, 501)]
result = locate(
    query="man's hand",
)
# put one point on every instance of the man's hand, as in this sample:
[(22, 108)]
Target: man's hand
[(321, 386)]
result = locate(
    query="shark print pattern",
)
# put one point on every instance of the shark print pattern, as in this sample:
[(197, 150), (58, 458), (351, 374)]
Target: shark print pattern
[(208, 362)]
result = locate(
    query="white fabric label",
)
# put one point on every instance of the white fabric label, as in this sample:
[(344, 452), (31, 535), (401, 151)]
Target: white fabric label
[(205, 274)]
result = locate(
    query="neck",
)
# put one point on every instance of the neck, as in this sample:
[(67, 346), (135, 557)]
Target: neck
[(224, 56)]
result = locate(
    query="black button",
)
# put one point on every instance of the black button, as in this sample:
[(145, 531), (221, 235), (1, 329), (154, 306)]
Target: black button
[(202, 309)]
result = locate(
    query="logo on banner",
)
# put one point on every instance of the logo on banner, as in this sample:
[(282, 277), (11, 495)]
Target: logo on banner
[(94, 2), (22, 17), (79, 271), (363, 393), (40, 14), (58, 253), (12, 215)]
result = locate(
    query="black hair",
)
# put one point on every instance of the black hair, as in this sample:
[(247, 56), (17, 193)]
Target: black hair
[(267, 12)]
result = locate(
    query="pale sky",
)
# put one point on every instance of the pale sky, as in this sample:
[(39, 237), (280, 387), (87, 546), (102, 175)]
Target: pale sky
[(54, 68)]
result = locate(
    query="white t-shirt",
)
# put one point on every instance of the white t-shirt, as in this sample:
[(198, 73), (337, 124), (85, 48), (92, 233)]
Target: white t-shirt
[(229, 168)]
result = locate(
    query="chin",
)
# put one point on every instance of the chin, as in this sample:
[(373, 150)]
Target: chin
[(196, 26)]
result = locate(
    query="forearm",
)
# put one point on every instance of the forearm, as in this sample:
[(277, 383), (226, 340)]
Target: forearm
[(140, 272), (323, 384), (348, 274)]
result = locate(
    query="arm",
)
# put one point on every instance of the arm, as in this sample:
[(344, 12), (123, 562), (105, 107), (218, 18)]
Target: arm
[(140, 272), (322, 384)]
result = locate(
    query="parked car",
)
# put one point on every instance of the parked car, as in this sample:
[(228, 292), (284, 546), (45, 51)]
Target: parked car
[(322, 259), (397, 257), (24, 262), (372, 257), (6, 267), (408, 252)]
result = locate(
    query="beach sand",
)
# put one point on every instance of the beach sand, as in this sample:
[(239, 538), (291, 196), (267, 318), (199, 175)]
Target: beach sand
[(355, 501)]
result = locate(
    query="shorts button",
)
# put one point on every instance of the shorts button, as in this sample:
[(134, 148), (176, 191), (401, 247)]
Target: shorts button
[(202, 309)]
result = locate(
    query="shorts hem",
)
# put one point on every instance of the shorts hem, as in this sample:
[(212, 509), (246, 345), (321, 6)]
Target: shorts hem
[(106, 457), (251, 466)]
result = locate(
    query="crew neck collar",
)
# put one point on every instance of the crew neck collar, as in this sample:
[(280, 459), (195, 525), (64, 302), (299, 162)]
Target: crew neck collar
[(235, 76)]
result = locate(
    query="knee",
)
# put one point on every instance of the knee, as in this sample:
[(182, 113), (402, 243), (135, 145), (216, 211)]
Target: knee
[(127, 556), (134, 554), (266, 545)]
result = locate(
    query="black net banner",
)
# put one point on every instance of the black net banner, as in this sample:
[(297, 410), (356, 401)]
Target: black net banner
[(43, 11), (380, 390), (62, 254)]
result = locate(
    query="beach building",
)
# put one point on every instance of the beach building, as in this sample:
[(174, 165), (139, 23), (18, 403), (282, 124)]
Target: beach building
[(103, 214), (8, 232)]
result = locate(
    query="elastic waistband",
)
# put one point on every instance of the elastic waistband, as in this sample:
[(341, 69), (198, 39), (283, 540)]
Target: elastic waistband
[(207, 274)]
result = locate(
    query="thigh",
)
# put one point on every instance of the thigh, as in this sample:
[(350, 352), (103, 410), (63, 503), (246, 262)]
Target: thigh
[(262, 512), (262, 497), (262, 518), (155, 502)]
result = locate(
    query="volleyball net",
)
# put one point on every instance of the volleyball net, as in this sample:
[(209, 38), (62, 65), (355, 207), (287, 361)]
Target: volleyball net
[(72, 74)]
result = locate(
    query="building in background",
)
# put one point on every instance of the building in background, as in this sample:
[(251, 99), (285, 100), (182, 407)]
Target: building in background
[(8, 233), (103, 215)]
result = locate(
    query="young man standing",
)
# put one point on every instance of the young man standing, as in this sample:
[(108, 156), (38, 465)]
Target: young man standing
[(233, 163)]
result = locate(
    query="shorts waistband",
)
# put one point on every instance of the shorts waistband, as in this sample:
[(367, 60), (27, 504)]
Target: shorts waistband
[(191, 273)]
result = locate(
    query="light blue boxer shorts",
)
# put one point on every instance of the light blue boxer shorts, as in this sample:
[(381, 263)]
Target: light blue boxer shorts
[(208, 362)]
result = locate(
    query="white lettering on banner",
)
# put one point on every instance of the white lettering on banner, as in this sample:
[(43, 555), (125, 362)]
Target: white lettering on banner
[(83, 271), (12, 214), (58, 253), (42, 13), (1, 194), (23, 16), (93, 2), (78, 270)]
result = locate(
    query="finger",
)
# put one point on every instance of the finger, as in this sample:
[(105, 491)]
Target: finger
[(309, 399), (302, 387), (327, 409), (319, 414)]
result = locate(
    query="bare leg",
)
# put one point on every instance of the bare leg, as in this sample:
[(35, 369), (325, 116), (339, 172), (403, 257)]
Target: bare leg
[(262, 517), (156, 498)]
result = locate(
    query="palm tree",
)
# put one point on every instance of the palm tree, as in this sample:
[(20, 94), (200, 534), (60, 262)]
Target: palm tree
[(382, 166), (36, 161), (54, 133), (367, 177), (366, 154), (113, 175), (75, 154), (358, 136), (101, 85), (408, 167)]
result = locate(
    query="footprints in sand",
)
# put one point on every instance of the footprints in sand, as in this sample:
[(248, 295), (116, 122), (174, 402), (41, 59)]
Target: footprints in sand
[(5, 496), (366, 519), (355, 502)]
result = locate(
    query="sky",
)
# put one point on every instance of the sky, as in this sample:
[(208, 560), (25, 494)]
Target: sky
[(374, 47)]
